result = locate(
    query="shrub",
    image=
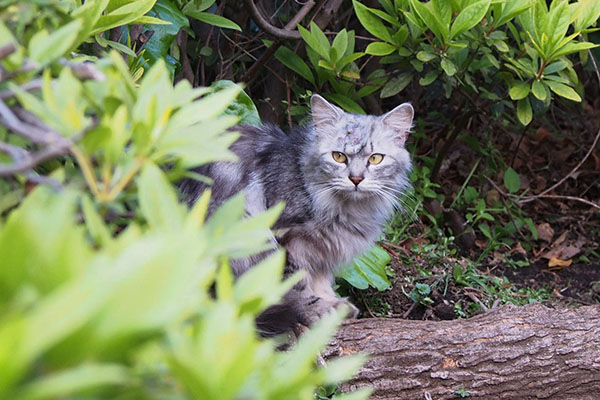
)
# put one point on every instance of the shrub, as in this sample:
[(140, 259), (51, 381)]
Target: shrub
[(105, 279)]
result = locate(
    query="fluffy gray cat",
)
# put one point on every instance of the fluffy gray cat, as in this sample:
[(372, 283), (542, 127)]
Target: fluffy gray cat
[(340, 179)]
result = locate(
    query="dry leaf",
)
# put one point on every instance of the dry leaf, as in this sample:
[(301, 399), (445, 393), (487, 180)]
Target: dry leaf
[(518, 249), (492, 196), (545, 232), (557, 262)]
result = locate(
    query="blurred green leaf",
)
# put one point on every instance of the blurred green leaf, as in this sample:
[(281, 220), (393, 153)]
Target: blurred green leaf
[(158, 202), (512, 182), (44, 47), (242, 106)]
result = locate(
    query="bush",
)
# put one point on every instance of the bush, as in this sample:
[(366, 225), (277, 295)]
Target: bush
[(105, 279)]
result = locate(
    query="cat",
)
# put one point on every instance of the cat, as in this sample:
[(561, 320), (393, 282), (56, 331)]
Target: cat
[(340, 178)]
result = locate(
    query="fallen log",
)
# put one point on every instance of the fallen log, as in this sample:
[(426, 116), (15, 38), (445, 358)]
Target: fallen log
[(530, 352)]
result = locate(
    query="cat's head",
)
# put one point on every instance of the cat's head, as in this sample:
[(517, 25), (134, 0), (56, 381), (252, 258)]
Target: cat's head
[(357, 156)]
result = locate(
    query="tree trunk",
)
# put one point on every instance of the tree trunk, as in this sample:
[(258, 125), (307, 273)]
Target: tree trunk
[(530, 352)]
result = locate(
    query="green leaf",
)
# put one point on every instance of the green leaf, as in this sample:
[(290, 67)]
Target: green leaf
[(429, 77), (158, 202), (121, 48), (448, 66), (340, 44), (426, 56), (368, 270), (146, 20), (159, 45), (519, 90), (558, 21), (216, 20), (44, 48), (571, 48), (430, 18), (341, 369), (126, 13), (524, 112), (469, 17), (563, 90), (371, 23), (94, 223), (555, 67), (295, 63), (538, 90), (242, 107), (585, 14), (396, 85), (380, 49), (313, 42), (345, 102), (65, 384), (197, 6), (512, 182)]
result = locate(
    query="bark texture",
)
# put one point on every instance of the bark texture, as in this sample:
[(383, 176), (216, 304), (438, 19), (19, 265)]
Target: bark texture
[(530, 352)]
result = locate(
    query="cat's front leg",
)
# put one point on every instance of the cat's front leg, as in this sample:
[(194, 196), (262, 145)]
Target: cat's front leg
[(314, 297)]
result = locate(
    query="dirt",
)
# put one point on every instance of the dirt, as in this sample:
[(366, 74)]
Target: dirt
[(577, 284)]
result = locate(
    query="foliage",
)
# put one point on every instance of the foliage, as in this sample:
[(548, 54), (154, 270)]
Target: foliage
[(472, 46), (105, 278), (367, 270)]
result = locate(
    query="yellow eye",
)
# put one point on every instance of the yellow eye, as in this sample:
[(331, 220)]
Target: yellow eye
[(375, 158), (339, 156)]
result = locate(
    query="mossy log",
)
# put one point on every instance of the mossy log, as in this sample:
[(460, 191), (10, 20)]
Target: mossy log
[(530, 352)]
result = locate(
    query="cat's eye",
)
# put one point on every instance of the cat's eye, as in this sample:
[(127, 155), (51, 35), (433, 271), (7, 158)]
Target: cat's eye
[(339, 156), (375, 158)]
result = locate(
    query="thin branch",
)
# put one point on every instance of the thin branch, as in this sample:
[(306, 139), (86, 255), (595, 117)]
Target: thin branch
[(591, 149), (542, 196), (37, 135), (7, 49), (35, 84), (25, 161), (285, 33)]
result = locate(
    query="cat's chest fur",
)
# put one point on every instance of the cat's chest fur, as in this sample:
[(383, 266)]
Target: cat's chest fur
[(334, 236)]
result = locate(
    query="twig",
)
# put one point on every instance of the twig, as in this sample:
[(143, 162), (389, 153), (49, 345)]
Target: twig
[(560, 182), (25, 161), (540, 196), (249, 75), (557, 184), (7, 50), (45, 137), (35, 84), (285, 33)]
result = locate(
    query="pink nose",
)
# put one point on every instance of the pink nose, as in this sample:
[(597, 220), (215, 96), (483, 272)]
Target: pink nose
[(356, 179)]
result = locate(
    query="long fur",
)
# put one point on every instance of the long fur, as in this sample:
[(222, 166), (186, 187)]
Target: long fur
[(327, 220)]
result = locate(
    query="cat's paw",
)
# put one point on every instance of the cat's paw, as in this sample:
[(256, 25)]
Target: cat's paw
[(316, 307)]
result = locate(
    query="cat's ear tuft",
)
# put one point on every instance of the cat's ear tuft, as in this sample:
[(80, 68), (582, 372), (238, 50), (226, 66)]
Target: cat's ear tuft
[(400, 120), (323, 112)]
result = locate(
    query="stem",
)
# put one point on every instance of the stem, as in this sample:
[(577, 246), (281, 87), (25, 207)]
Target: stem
[(118, 188), (541, 71), (88, 171)]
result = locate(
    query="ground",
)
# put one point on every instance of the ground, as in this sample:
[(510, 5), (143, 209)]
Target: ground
[(440, 270)]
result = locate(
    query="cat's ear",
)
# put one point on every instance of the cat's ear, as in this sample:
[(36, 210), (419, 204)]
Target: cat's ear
[(400, 121), (323, 112)]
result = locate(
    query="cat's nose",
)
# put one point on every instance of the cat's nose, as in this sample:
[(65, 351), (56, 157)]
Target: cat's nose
[(356, 179)]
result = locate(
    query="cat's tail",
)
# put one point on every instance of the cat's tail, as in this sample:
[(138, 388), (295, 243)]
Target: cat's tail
[(278, 320)]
